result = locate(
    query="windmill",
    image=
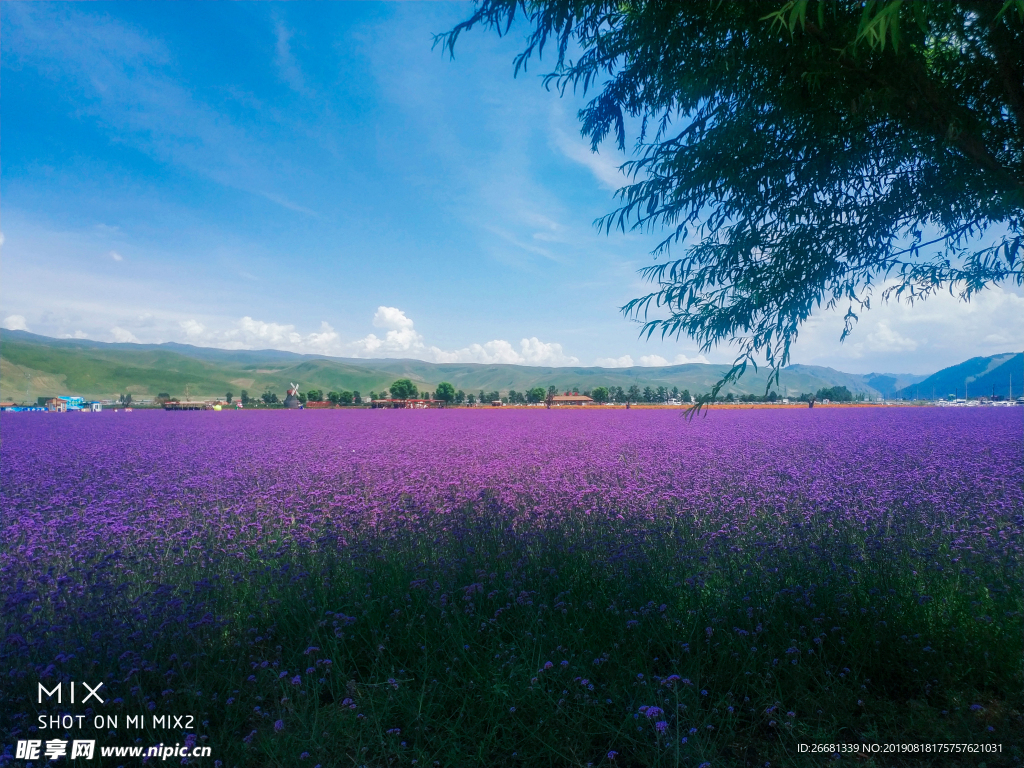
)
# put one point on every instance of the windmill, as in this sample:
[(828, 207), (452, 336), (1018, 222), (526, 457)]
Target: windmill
[(292, 398)]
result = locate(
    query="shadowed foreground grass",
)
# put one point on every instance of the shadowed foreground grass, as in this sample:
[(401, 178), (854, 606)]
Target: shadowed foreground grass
[(588, 644)]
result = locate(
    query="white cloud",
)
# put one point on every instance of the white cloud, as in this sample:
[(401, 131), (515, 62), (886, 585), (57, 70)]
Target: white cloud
[(193, 328), (324, 341), (402, 339), (249, 332), (15, 323), (884, 339), (122, 336), (920, 338), (683, 360), (626, 361), (116, 256), (531, 351), (647, 361), (536, 352), (653, 361)]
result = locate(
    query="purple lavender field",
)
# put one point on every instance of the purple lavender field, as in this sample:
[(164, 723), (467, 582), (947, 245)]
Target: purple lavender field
[(522, 587)]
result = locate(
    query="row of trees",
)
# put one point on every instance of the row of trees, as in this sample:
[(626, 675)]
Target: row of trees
[(269, 397), (344, 397), (405, 389)]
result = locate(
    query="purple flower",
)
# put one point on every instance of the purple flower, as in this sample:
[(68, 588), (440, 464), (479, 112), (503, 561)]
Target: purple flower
[(661, 726), (612, 755), (279, 725), (296, 680)]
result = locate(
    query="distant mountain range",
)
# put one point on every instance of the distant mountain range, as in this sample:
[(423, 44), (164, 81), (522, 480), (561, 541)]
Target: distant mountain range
[(32, 366), (980, 376)]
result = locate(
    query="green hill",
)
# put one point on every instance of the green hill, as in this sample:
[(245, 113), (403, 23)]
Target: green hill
[(33, 366)]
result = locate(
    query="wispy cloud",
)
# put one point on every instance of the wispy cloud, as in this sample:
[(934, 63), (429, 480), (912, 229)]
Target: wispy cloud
[(131, 89), (287, 67), (604, 167), (286, 203)]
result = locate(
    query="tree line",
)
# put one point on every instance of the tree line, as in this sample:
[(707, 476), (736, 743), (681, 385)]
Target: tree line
[(405, 389)]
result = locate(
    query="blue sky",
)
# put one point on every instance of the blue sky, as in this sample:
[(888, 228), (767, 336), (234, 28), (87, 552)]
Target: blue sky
[(315, 177)]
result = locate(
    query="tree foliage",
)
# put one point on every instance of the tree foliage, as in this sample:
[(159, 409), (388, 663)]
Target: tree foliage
[(837, 394), (445, 391), (404, 389), (803, 155)]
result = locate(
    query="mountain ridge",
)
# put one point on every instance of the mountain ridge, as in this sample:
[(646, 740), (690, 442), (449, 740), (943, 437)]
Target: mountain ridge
[(32, 365), (995, 375)]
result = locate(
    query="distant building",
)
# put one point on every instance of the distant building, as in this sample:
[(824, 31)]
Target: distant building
[(409, 403), (173, 406), (95, 407), (56, 405), (291, 398), (571, 400), (73, 403)]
